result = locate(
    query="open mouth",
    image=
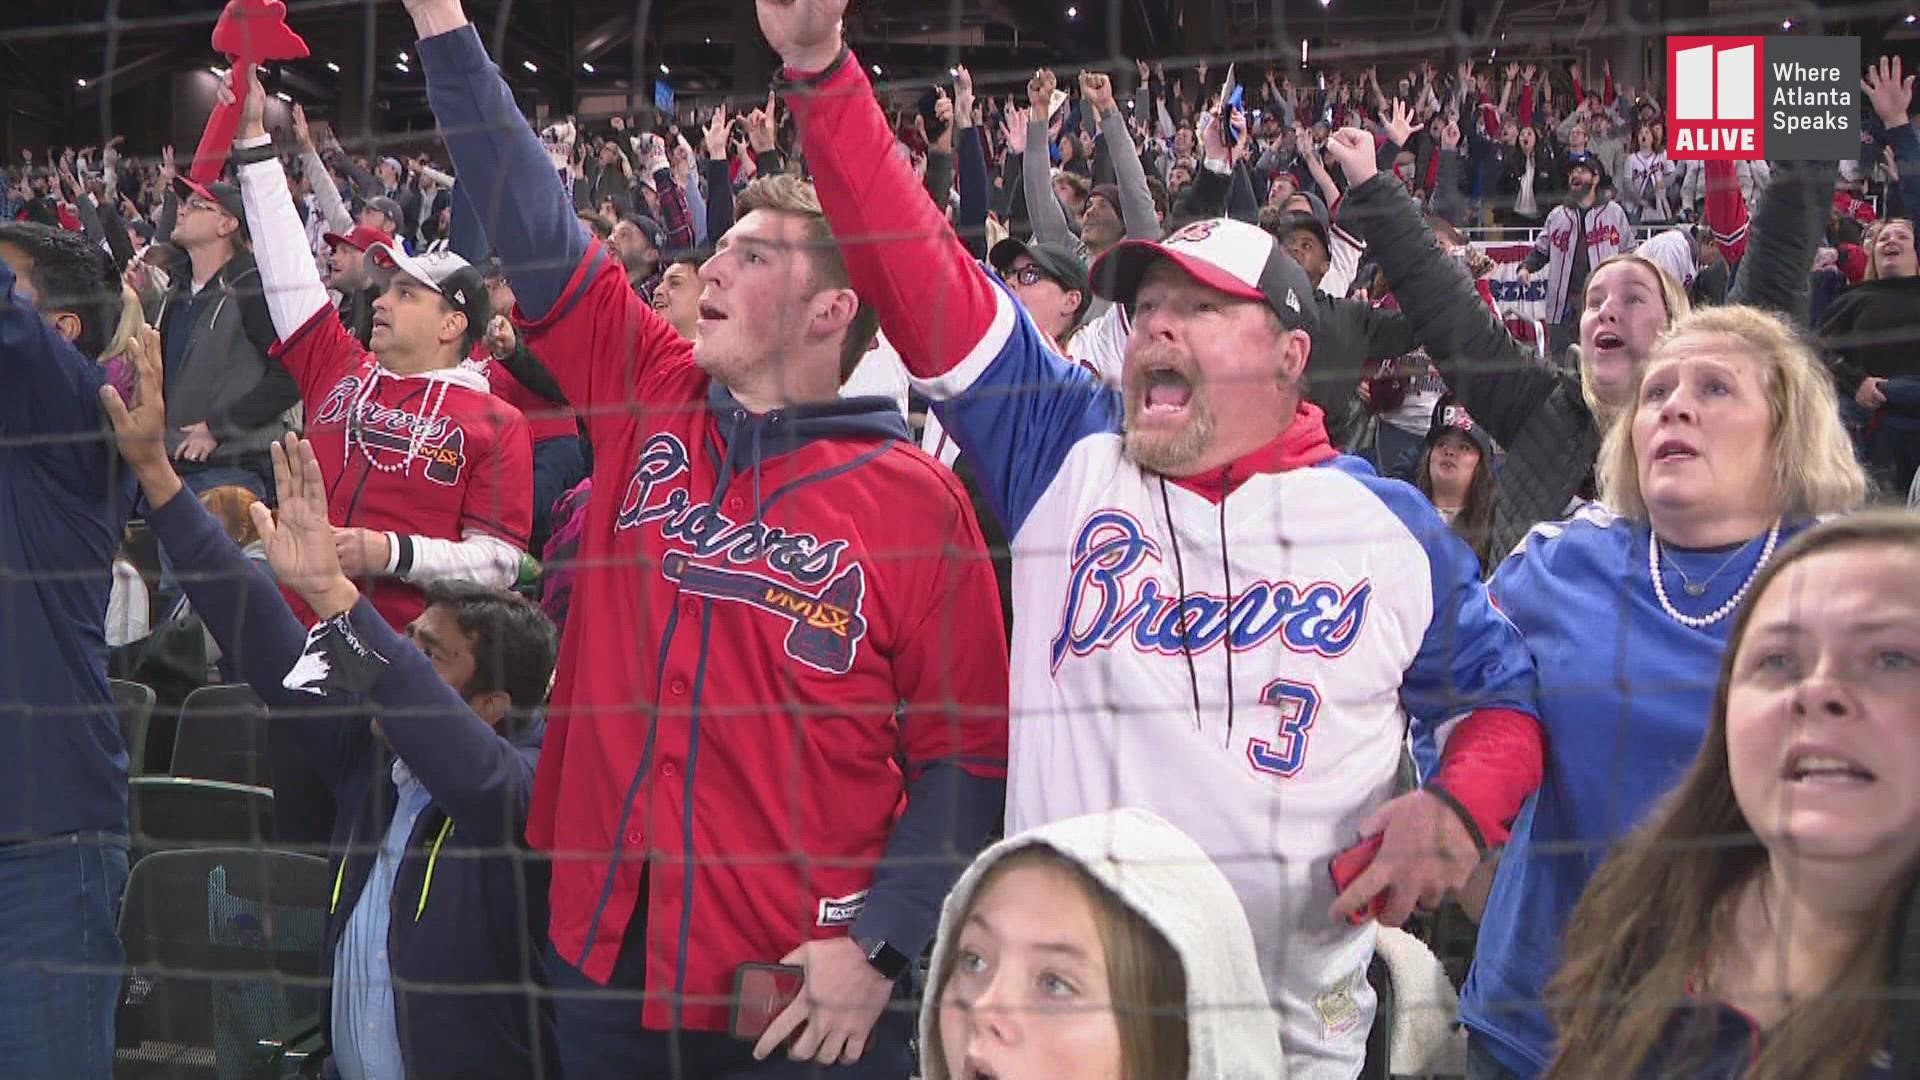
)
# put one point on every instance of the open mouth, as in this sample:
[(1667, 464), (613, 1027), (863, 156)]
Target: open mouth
[(1674, 450), (973, 1070), (709, 313), (1607, 339), (1825, 769), (1166, 392)]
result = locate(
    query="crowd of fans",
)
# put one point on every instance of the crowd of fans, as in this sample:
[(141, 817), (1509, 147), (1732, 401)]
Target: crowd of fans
[(679, 549)]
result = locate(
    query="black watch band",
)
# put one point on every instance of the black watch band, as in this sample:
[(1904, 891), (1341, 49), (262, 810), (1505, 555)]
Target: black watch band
[(808, 82), (886, 959)]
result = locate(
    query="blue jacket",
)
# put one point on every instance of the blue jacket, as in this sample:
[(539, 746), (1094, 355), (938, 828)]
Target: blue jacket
[(64, 500), (469, 903)]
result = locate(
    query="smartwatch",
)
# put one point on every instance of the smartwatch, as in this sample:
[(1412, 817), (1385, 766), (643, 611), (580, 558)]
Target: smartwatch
[(886, 959)]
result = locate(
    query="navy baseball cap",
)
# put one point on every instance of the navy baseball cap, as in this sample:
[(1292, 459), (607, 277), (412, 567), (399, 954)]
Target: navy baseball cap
[(1583, 159)]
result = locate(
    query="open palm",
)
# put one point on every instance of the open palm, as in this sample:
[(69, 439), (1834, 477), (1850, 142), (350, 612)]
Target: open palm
[(299, 541)]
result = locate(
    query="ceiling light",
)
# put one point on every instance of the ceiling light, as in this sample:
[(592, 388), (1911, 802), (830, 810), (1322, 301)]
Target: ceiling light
[(1911, 19), (665, 70), (530, 66), (333, 67), (1073, 12), (218, 72), (586, 67), (81, 83), (1786, 24), (405, 59), (953, 73), (876, 69), (282, 95)]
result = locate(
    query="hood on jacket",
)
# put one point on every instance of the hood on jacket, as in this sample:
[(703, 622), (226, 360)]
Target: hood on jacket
[(784, 430), (1157, 872)]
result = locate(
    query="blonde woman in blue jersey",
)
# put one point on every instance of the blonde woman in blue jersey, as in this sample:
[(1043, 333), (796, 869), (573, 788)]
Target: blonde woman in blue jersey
[(1729, 446)]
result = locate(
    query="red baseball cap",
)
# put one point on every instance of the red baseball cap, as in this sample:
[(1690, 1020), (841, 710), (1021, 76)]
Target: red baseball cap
[(359, 238)]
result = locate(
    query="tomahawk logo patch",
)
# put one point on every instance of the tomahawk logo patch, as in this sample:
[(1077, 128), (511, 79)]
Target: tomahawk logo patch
[(827, 626)]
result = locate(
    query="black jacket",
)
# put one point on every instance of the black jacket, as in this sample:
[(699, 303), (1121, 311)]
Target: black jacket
[(1536, 411), (1873, 329)]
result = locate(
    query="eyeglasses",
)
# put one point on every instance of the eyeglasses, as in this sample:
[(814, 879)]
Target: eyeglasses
[(1029, 275), (195, 202)]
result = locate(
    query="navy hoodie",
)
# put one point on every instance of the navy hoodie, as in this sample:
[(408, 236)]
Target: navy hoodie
[(468, 909), (64, 500)]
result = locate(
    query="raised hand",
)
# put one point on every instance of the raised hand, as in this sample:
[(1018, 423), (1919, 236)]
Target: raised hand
[(1097, 90), (963, 96), (1512, 70), (806, 33), (1211, 137), (300, 543), (1145, 71), (1040, 90), (943, 111), (1891, 94), (1400, 125), (300, 129), (167, 172), (253, 117), (1352, 150), (1450, 135), (1014, 129), (714, 139), (140, 423), (1527, 73), (761, 127)]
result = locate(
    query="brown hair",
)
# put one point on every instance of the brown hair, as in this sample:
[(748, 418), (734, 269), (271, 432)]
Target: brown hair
[(1474, 522), (1629, 961), (231, 505), (784, 193), (1146, 980)]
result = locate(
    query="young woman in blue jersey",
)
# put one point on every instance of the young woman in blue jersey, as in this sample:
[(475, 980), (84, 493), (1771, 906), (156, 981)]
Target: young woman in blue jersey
[(1782, 861), (1731, 445)]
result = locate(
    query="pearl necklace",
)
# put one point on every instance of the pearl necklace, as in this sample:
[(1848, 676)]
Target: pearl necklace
[(356, 427), (1697, 622)]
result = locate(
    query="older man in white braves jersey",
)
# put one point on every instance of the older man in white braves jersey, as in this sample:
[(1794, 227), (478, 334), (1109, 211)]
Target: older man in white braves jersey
[(1217, 617)]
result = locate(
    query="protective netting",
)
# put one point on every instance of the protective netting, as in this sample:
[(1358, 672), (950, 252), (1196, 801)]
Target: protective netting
[(581, 553)]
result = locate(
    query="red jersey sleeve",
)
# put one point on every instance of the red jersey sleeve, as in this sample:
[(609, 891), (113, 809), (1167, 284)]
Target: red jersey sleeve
[(934, 301), (601, 340), (318, 354), (499, 494)]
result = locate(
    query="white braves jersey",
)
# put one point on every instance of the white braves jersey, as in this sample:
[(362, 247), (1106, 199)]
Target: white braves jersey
[(1324, 607)]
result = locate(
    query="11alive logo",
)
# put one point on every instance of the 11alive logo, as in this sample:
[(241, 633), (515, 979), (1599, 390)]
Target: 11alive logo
[(1785, 98)]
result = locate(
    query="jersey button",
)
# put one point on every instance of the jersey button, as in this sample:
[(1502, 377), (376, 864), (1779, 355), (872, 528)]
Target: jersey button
[(678, 686), (669, 771), (692, 608), (633, 838), (736, 504)]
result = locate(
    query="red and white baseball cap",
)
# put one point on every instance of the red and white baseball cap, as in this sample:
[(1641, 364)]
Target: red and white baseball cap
[(1240, 260), (442, 271), (359, 238)]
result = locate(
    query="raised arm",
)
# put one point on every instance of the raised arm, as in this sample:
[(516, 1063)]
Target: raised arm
[(1491, 374), (1044, 212), (597, 336), (960, 335)]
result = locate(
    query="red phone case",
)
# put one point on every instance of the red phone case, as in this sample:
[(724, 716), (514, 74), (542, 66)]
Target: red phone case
[(1347, 865), (760, 993)]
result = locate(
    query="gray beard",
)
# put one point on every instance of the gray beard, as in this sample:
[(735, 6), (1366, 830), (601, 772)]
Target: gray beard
[(1174, 454)]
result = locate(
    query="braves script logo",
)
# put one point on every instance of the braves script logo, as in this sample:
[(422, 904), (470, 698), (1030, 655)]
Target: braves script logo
[(1599, 234), (381, 427), (827, 624), (1104, 604)]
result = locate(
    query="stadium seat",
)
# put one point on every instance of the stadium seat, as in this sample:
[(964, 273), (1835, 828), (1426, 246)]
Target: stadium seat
[(223, 950), (223, 736), (171, 813), (134, 702)]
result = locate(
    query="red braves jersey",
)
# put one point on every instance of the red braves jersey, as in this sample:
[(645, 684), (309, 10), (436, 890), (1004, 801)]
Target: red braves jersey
[(431, 456), (760, 634)]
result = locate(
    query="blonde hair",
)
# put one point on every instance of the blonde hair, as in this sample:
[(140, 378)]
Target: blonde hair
[(1814, 467), (784, 193), (132, 319), (1673, 296), (1869, 241), (232, 506)]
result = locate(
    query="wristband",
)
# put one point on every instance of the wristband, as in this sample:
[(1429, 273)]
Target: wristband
[(809, 82)]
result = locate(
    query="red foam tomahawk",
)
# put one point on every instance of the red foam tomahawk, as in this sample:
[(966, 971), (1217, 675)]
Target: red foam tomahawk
[(248, 33)]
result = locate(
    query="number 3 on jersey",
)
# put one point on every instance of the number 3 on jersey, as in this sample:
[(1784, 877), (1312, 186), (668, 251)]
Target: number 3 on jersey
[(1297, 703)]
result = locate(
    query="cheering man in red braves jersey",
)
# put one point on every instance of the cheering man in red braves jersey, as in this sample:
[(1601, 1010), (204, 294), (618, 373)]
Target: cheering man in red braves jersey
[(429, 475), (779, 721)]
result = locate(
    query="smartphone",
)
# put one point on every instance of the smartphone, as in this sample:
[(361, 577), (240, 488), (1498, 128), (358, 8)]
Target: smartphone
[(1348, 865), (762, 992)]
